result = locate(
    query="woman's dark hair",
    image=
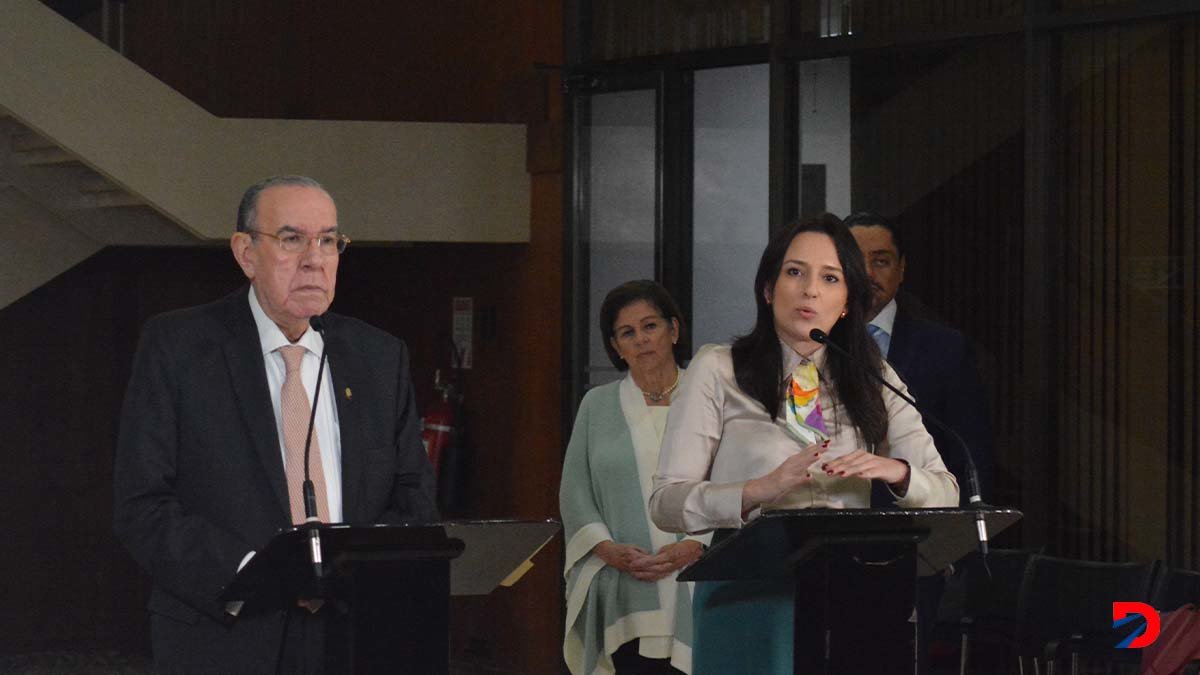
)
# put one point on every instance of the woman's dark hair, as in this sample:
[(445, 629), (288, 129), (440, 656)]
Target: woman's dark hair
[(628, 293), (758, 361)]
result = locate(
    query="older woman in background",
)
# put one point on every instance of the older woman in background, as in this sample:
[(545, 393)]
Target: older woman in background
[(776, 421), (625, 611)]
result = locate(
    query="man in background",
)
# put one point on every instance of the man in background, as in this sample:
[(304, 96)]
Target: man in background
[(935, 361), (210, 457)]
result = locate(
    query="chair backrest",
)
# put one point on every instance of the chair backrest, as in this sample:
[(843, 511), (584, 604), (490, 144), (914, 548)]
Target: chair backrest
[(1062, 598), (1176, 588), (992, 598)]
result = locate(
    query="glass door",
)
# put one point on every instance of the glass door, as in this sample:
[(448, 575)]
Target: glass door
[(616, 206)]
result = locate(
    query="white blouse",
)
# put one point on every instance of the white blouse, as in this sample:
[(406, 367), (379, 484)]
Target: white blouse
[(718, 437)]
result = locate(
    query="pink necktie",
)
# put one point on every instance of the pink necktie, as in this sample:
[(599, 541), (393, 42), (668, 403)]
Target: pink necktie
[(296, 409)]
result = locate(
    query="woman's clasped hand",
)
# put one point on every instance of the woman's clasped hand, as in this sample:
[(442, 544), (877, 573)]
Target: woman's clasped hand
[(646, 566)]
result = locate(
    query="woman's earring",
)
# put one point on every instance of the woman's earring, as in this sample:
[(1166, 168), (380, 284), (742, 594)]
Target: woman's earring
[(843, 313)]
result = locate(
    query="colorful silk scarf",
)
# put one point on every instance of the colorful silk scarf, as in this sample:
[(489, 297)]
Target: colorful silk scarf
[(804, 418)]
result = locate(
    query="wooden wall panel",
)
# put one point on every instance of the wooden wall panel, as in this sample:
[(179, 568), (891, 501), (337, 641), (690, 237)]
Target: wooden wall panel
[(1111, 394), (1183, 463), (1093, 4), (622, 30), (892, 16), (457, 61)]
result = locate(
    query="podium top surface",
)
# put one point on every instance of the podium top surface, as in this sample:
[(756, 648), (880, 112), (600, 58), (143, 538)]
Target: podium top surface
[(493, 550), (771, 545), (481, 553)]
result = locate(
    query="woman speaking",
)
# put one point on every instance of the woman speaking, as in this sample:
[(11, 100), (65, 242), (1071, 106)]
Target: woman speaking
[(775, 421)]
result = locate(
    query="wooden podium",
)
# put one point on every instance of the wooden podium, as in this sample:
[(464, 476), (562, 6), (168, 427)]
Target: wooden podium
[(854, 573), (388, 585)]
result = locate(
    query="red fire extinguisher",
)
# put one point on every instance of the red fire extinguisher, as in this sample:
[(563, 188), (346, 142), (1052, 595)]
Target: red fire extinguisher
[(438, 431)]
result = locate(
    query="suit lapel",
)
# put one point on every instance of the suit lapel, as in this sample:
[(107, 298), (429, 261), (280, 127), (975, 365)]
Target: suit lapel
[(348, 374), (243, 356)]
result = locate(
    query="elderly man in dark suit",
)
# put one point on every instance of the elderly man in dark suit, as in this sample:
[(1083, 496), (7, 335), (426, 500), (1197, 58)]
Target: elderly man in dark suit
[(210, 455)]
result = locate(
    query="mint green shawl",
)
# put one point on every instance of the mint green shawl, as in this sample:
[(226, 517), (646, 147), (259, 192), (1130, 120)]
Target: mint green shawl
[(601, 498)]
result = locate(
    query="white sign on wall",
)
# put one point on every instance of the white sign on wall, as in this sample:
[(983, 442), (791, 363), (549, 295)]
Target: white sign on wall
[(463, 325)]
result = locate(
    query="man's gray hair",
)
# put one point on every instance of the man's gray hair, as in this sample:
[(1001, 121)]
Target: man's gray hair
[(248, 209)]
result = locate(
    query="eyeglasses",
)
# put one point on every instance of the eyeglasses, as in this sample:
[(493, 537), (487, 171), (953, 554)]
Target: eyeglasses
[(328, 243)]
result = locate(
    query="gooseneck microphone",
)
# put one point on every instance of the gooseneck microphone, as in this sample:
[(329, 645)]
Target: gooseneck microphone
[(975, 498), (310, 493)]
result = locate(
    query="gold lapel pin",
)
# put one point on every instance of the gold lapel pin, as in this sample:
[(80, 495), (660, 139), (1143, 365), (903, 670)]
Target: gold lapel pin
[(349, 394)]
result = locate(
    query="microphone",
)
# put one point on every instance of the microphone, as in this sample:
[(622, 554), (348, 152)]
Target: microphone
[(310, 493), (975, 499)]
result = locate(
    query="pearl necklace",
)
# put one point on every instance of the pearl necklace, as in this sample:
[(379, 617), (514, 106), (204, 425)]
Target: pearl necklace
[(656, 397)]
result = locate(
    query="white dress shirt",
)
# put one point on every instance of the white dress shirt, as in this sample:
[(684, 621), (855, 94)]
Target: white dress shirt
[(886, 319)]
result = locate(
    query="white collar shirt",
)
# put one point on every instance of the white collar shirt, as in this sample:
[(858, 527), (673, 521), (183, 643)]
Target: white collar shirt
[(886, 318)]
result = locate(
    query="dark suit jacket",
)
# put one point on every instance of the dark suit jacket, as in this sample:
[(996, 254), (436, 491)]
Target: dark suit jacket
[(199, 479), (938, 365)]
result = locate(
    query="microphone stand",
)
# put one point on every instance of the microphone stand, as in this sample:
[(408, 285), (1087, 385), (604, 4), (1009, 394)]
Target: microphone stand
[(975, 499), (310, 494)]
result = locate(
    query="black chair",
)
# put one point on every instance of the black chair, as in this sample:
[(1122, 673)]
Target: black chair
[(1175, 588), (1065, 610), (987, 626)]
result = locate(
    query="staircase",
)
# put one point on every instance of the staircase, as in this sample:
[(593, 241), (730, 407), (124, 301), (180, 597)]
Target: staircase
[(95, 152), (55, 212), (77, 196)]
